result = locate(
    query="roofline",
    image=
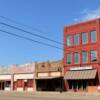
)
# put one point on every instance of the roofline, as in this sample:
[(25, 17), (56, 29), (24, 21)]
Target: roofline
[(83, 22)]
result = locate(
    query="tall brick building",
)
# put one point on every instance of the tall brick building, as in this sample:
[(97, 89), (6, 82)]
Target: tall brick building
[(82, 55)]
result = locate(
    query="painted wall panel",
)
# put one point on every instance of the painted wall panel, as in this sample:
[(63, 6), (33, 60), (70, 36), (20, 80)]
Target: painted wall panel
[(5, 77), (7, 89), (56, 74), (42, 74), (23, 76), (29, 89), (20, 89)]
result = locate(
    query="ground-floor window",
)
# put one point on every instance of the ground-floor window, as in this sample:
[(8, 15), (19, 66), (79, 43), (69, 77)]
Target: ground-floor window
[(81, 84), (19, 83), (55, 84), (7, 84), (30, 83)]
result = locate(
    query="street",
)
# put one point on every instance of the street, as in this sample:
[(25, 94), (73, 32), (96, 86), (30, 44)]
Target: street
[(45, 96)]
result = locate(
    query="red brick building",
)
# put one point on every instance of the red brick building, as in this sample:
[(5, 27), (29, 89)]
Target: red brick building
[(82, 56)]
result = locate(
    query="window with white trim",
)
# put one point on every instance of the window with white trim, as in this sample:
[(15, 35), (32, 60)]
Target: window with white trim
[(76, 39), (93, 35), (84, 56), (76, 57), (68, 58), (68, 40), (93, 55), (84, 38)]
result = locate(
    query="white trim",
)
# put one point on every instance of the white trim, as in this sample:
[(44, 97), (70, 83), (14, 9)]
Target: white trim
[(82, 68), (43, 74), (5, 77), (23, 76), (20, 89), (7, 89), (29, 89), (55, 74)]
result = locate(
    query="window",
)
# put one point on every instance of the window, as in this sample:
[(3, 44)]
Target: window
[(76, 57), (93, 55), (84, 56), (69, 58), (84, 38), (7, 83), (76, 39), (68, 40), (20, 83), (93, 36), (30, 83)]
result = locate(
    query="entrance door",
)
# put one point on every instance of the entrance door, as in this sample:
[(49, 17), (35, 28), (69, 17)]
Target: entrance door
[(77, 85), (2, 85), (50, 84), (25, 85)]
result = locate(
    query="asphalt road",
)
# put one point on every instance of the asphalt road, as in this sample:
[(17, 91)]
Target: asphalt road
[(40, 96)]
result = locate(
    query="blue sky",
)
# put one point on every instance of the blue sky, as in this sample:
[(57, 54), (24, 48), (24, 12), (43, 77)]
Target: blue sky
[(49, 16)]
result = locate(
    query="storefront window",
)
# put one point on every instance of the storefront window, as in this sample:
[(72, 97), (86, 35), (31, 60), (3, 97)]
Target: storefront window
[(69, 58), (93, 36), (30, 83), (76, 57), (93, 55), (84, 38), (7, 83), (19, 83), (84, 56), (68, 40), (76, 39)]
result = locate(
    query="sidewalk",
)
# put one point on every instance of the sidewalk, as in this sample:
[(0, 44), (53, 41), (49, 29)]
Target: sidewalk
[(66, 94), (53, 94)]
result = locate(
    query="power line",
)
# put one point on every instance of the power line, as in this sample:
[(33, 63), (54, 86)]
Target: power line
[(31, 33), (19, 23), (29, 39)]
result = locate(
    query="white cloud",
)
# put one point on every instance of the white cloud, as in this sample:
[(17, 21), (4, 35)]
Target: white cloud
[(87, 14)]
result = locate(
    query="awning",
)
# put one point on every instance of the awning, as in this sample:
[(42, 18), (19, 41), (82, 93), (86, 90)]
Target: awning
[(46, 78), (82, 74)]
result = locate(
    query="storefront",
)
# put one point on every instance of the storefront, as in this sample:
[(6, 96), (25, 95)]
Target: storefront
[(24, 82), (49, 76), (5, 82), (80, 79)]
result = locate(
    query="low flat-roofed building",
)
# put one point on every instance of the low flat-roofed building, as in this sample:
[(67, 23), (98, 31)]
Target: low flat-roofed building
[(41, 76), (49, 76), (5, 78), (23, 77)]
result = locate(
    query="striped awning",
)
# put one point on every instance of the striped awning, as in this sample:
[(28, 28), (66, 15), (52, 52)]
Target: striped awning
[(81, 74)]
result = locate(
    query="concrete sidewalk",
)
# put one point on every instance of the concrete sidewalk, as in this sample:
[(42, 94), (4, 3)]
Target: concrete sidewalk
[(49, 96), (79, 94), (52, 94)]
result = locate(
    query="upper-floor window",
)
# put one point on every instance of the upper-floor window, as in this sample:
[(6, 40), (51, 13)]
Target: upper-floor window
[(76, 57), (93, 55), (68, 40), (93, 36), (69, 58), (76, 39), (84, 38), (84, 57)]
